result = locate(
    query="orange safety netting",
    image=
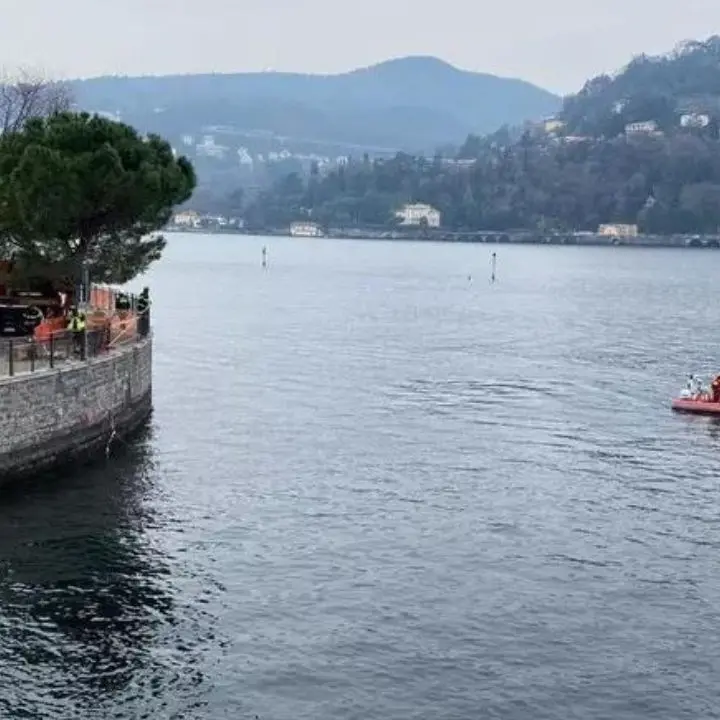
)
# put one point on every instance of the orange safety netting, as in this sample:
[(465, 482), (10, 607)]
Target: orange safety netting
[(102, 298)]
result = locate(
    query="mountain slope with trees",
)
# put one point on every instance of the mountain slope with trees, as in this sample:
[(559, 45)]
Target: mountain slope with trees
[(659, 88), (574, 178)]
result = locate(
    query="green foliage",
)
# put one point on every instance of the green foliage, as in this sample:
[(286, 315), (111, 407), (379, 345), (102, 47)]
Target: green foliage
[(514, 179), (666, 184), (660, 88), (79, 190)]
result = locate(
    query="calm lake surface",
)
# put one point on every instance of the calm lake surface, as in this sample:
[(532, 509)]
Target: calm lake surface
[(375, 489)]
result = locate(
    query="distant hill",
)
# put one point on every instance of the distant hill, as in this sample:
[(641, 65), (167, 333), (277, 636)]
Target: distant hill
[(662, 89), (413, 104)]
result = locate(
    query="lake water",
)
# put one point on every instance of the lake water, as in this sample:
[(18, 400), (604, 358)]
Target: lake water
[(374, 488)]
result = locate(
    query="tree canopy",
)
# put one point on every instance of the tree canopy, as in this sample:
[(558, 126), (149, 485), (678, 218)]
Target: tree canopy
[(664, 184), (79, 190), (658, 88)]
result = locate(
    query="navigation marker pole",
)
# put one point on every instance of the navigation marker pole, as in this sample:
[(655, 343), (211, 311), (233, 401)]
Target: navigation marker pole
[(494, 266)]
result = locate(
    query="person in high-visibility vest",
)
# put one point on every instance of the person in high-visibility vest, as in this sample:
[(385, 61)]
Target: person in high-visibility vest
[(76, 325)]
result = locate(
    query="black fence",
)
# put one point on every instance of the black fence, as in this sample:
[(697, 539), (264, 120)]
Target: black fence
[(45, 351)]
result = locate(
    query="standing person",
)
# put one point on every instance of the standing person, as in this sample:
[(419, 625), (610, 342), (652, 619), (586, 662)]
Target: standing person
[(688, 391), (77, 325), (143, 308), (715, 390), (122, 302), (698, 389)]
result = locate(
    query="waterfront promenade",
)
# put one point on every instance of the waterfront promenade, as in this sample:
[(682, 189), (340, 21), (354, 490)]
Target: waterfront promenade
[(20, 356), (64, 396), (527, 237), (107, 330), (509, 237)]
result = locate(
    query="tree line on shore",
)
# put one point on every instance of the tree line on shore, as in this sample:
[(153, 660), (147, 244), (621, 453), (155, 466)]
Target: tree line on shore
[(664, 184)]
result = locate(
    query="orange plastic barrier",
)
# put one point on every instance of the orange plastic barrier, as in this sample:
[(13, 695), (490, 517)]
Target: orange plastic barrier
[(48, 327), (102, 297), (43, 331), (123, 328), (97, 319)]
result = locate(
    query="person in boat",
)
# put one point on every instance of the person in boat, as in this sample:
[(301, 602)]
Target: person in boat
[(698, 389), (688, 391), (715, 390)]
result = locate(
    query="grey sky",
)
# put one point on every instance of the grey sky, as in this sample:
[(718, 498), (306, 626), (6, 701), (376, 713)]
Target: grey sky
[(555, 43)]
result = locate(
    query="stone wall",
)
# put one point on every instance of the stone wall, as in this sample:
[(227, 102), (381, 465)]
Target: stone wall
[(51, 417)]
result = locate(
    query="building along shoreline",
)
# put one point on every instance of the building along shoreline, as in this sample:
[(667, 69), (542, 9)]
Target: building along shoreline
[(480, 237)]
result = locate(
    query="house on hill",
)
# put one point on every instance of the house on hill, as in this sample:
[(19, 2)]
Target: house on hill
[(618, 230), (648, 127), (417, 214), (305, 229), (186, 218), (694, 120)]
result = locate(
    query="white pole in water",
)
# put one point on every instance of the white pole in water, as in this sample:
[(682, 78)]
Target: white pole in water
[(264, 257), (494, 266)]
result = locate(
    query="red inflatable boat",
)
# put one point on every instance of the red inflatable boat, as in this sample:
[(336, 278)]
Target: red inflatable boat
[(698, 406)]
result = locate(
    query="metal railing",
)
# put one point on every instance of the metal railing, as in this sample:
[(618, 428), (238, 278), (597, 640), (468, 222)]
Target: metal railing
[(28, 355), (106, 331)]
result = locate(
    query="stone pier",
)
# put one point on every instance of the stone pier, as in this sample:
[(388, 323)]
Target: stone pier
[(53, 416)]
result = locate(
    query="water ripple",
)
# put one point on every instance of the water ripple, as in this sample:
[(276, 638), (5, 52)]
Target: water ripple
[(374, 490)]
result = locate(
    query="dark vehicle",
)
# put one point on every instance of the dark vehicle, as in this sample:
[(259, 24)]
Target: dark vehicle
[(25, 299), (18, 320)]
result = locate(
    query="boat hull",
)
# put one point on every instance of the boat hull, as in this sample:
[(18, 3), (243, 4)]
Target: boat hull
[(697, 407)]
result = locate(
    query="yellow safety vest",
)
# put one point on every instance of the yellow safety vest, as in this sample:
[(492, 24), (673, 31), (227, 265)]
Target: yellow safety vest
[(77, 323)]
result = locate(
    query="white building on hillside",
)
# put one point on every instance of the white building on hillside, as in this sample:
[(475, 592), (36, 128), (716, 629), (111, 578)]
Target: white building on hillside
[(552, 126), (186, 218), (695, 120), (208, 148), (244, 156), (649, 127), (618, 230), (419, 214), (305, 229)]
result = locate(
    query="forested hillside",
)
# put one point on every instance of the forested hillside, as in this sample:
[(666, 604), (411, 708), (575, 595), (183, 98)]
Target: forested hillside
[(591, 166)]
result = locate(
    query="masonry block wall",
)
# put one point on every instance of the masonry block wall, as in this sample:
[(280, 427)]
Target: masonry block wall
[(49, 417)]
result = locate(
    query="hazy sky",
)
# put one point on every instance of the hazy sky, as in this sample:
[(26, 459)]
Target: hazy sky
[(554, 43)]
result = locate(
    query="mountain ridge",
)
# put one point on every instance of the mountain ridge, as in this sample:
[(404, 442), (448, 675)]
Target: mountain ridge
[(448, 102), (423, 61)]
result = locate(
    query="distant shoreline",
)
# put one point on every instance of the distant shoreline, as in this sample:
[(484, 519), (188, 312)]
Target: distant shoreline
[(486, 238)]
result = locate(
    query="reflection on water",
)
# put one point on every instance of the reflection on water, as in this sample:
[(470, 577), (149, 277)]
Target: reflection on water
[(87, 602)]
